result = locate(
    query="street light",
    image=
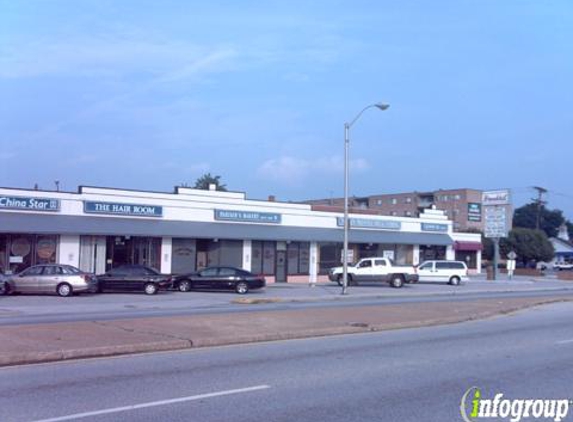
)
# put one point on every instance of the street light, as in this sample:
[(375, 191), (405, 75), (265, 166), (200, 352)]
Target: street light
[(347, 127)]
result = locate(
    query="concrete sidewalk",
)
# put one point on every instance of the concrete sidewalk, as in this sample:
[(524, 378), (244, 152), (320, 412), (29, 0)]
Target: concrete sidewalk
[(26, 344)]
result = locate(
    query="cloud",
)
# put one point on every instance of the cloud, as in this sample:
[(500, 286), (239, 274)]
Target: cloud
[(293, 171)]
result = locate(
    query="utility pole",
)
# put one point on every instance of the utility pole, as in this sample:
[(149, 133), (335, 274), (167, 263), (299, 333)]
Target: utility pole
[(540, 203)]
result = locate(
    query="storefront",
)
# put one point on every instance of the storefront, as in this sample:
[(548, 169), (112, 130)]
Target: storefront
[(22, 250), (97, 229)]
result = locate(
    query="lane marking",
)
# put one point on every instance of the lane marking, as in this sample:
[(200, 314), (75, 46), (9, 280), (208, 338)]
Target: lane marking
[(155, 403), (564, 341)]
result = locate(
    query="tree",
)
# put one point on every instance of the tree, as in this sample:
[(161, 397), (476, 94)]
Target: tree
[(207, 179), (549, 221), (528, 244)]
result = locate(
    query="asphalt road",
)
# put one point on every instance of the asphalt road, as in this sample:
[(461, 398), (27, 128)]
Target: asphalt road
[(403, 375), (30, 309)]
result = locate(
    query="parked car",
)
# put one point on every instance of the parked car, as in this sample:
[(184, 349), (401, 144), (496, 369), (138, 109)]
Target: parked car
[(379, 269), (63, 280), (452, 272), (223, 278), (130, 278), (563, 265)]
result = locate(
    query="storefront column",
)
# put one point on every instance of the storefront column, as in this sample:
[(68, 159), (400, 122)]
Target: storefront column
[(313, 264), (478, 262), (450, 253), (69, 250), (247, 254), (166, 253), (416, 255)]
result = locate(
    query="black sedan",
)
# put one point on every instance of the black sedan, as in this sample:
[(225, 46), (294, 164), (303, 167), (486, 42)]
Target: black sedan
[(223, 278), (129, 278)]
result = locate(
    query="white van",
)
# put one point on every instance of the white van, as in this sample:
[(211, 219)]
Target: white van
[(452, 272)]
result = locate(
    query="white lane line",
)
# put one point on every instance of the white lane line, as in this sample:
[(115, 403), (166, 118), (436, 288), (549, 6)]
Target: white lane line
[(155, 403), (564, 341)]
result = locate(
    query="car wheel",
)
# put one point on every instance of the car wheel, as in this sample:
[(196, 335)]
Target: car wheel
[(6, 289), (397, 281), (241, 287), (455, 281), (184, 286), (339, 280), (64, 290), (150, 289)]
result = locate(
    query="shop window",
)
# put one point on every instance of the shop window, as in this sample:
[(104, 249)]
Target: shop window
[(3, 259), (329, 256), (20, 251), (269, 250), (432, 252), (263, 257), (129, 250), (298, 257)]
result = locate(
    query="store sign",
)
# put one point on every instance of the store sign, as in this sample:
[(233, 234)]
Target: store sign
[(366, 223), (496, 197), (132, 210), (434, 227), (248, 216), (474, 211), (497, 212), (29, 204), (496, 221)]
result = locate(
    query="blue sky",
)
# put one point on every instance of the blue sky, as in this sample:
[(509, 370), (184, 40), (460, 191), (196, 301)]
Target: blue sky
[(147, 95)]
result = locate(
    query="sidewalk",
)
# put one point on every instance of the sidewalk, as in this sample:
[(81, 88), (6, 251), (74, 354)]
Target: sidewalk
[(26, 344)]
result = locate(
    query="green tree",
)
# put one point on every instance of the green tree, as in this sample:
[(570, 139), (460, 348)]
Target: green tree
[(207, 179), (549, 220), (528, 244)]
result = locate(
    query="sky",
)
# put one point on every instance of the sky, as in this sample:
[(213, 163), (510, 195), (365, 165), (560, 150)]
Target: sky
[(148, 95)]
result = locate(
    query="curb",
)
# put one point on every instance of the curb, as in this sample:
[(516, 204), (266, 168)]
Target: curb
[(339, 297)]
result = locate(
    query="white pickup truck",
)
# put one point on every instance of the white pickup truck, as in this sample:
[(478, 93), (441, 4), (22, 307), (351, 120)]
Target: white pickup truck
[(376, 269), (563, 265)]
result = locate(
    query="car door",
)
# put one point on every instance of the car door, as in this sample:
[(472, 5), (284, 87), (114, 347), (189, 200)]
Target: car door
[(135, 278), (207, 278), (114, 279), (27, 280), (378, 269), (426, 271), (226, 278), (363, 271), (49, 279), (443, 271)]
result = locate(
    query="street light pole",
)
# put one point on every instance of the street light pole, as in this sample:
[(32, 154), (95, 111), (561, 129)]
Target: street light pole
[(347, 127)]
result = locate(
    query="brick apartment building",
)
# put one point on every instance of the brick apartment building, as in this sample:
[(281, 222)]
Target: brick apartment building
[(462, 206)]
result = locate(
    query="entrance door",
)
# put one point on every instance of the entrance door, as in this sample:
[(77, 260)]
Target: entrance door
[(281, 270)]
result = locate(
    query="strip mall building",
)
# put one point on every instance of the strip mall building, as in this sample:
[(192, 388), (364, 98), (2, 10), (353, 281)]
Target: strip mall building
[(96, 229)]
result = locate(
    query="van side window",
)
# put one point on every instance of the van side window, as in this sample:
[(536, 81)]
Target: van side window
[(442, 265)]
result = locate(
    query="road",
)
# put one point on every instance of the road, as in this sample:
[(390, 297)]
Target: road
[(17, 310), (403, 375)]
